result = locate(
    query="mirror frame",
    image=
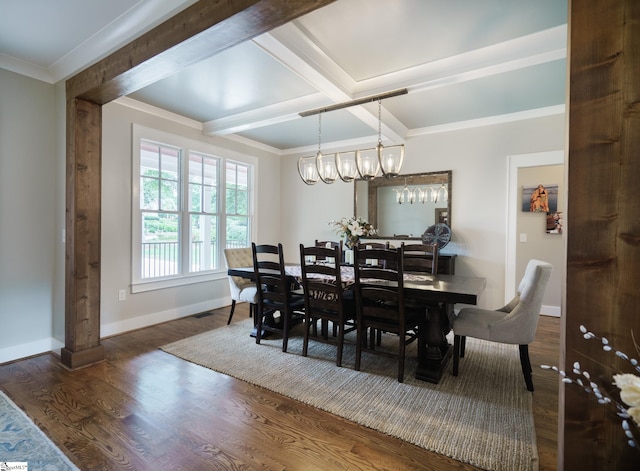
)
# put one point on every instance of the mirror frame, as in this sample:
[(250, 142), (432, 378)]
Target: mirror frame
[(414, 179)]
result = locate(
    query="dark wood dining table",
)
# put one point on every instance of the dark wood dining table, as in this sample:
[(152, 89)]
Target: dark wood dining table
[(430, 289)]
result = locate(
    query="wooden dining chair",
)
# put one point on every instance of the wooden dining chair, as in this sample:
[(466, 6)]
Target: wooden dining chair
[(275, 293), (420, 258), (373, 245), (325, 299), (380, 304), (330, 244)]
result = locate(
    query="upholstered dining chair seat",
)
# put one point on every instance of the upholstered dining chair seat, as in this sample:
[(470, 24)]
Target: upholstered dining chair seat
[(514, 323), (242, 290), (491, 325)]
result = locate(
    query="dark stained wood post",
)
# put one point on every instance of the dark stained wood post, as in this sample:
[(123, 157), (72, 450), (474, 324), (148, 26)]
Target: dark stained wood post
[(82, 251), (603, 232), (198, 32)]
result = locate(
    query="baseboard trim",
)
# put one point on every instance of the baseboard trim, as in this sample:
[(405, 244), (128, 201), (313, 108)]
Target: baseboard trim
[(120, 327), (552, 311), (30, 349), (55, 346)]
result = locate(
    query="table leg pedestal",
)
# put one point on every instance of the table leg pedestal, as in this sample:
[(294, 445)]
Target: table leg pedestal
[(434, 350)]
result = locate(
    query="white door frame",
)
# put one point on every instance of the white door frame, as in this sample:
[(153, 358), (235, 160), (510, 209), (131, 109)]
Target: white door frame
[(555, 157)]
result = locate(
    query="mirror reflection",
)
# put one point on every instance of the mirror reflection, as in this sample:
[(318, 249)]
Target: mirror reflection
[(403, 207)]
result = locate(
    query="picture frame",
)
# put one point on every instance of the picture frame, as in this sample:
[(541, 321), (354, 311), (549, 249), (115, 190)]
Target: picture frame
[(544, 202), (555, 223)]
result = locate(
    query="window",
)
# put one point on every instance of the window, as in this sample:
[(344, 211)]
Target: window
[(203, 212), (159, 207), (189, 204), (237, 204)]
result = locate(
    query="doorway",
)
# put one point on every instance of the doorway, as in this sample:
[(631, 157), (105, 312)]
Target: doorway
[(514, 260)]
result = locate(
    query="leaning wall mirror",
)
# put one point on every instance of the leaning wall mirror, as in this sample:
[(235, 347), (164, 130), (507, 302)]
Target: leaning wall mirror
[(403, 207)]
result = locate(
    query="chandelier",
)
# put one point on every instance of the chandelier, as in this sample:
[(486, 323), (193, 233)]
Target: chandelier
[(364, 164)]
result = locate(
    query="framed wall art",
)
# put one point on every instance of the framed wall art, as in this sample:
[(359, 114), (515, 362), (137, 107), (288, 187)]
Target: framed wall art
[(540, 198)]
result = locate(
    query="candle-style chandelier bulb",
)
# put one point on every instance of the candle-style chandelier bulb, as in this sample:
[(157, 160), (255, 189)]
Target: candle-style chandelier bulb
[(325, 164), (368, 163), (347, 168), (390, 158), (308, 170)]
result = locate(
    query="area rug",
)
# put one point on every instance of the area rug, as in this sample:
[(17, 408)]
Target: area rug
[(24, 446), (483, 417)]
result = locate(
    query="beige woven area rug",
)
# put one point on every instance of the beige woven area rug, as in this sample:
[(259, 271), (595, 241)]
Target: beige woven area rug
[(483, 417)]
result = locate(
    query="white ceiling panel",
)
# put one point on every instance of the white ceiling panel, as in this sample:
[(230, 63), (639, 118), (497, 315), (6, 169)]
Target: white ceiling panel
[(512, 92), (49, 28), (235, 81), (368, 38)]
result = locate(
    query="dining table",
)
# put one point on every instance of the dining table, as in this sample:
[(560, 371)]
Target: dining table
[(437, 292)]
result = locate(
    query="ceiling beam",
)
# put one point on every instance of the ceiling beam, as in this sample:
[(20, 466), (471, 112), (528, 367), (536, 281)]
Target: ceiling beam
[(194, 34)]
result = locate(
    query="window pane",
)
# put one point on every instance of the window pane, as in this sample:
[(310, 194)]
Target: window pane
[(237, 189), (203, 172), (231, 174), (242, 206), (169, 195), (149, 158), (160, 252), (195, 197), (213, 200), (169, 163), (237, 232), (149, 196), (242, 177), (195, 168), (231, 201), (210, 172), (203, 234)]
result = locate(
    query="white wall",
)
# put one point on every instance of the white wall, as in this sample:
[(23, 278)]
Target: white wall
[(146, 308), (478, 159), (27, 215)]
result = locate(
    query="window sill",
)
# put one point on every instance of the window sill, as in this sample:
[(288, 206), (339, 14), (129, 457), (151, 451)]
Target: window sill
[(152, 285)]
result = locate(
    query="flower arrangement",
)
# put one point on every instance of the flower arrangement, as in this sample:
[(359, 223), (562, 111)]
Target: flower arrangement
[(352, 229), (629, 385)]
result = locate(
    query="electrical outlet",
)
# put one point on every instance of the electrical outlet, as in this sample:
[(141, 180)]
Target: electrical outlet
[(523, 237), (122, 295)]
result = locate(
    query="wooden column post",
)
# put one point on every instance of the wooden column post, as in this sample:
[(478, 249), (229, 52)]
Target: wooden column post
[(82, 251), (603, 233)]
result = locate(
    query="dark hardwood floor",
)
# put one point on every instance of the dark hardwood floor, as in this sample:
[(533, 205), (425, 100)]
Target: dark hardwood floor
[(144, 409)]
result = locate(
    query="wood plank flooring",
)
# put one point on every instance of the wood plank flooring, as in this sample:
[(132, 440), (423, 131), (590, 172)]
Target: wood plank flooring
[(144, 409)]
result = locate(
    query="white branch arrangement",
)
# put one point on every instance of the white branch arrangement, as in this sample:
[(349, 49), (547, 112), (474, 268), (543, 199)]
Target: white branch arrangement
[(629, 385)]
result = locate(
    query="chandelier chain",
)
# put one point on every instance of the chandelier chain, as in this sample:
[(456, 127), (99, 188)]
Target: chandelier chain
[(379, 121), (319, 130)]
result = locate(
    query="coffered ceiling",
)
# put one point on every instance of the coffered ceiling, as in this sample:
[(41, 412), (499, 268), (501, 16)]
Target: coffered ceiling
[(464, 63)]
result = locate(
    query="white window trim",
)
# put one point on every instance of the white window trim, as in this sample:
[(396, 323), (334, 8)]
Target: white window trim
[(139, 132)]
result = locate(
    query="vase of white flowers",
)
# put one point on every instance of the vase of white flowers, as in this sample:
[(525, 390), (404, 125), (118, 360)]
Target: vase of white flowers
[(352, 229)]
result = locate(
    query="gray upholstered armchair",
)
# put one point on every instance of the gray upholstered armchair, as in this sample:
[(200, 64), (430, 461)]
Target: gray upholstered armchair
[(514, 323), (242, 289)]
